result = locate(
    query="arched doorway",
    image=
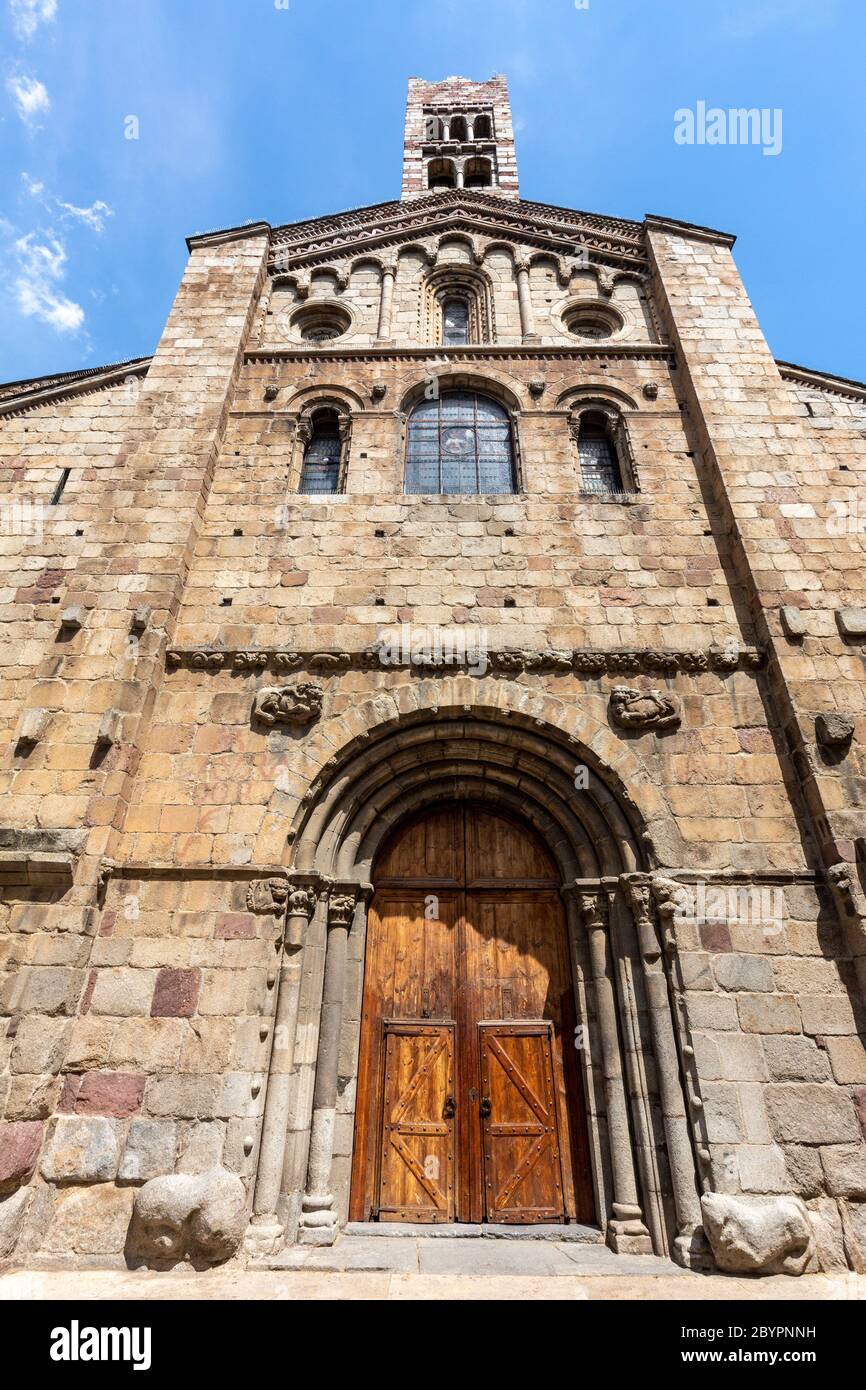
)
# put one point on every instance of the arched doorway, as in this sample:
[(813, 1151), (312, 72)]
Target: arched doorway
[(470, 1103)]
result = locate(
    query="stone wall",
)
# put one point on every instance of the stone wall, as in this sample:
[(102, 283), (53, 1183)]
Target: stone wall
[(143, 964)]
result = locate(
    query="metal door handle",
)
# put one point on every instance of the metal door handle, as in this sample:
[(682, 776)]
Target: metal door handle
[(450, 1108), (486, 1107)]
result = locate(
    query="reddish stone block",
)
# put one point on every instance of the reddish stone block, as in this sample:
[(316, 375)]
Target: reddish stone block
[(69, 1094), (108, 923), (88, 993), (109, 1093), (716, 936), (176, 993), (234, 925), (20, 1143)]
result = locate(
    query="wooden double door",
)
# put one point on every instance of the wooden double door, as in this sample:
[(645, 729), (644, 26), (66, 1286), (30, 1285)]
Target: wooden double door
[(469, 1104)]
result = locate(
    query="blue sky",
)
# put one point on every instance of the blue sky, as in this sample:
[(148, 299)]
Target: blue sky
[(251, 109)]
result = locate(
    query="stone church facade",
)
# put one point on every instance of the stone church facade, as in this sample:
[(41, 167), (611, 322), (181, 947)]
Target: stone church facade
[(460, 572)]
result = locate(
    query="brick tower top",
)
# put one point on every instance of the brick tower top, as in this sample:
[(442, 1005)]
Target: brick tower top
[(459, 134)]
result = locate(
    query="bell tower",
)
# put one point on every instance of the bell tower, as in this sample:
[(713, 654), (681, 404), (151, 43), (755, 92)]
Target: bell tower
[(459, 134)]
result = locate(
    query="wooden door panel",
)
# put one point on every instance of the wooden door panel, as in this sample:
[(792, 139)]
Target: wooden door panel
[(409, 973), (522, 1168), (416, 1180), (466, 927)]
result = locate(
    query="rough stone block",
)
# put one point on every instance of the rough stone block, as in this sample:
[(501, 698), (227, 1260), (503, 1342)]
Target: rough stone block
[(768, 1013), (150, 1150), (176, 993), (795, 1059), (81, 1149), (40, 1044), (109, 1093), (20, 1143), (13, 1210), (851, 622), (848, 1060), (810, 1114), (793, 622), (123, 992), (845, 1169), (90, 1221), (739, 972)]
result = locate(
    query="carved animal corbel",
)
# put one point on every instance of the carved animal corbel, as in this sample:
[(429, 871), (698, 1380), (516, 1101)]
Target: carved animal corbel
[(644, 710)]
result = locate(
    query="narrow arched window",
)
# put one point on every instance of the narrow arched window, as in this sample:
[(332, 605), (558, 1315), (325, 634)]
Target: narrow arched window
[(455, 322), (440, 174), (599, 464), (458, 128), (482, 128), (460, 442), (321, 467), (477, 173)]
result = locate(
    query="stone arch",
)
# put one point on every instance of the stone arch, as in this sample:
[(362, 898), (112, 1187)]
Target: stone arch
[(492, 383), (397, 762)]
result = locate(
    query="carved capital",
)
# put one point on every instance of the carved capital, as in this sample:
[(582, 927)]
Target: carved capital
[(341, 908), (592, 904), (268, 895)]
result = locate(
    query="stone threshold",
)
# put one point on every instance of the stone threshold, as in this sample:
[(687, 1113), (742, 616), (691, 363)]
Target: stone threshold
[(585, 1235)]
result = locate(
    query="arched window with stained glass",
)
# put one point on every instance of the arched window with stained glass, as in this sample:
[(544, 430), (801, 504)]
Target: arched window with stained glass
[(460, 442), (320, 471)]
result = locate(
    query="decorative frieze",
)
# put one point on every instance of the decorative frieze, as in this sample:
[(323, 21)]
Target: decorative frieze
[(268, 895), (583, 661)]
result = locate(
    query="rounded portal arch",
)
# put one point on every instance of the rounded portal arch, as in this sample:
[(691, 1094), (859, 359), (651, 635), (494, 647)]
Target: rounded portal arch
[(411, 760)]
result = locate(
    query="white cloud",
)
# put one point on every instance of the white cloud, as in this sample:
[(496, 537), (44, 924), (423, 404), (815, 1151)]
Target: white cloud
[(32, 186), (30, 97), (93, 217), (41, 265), (27, 15)]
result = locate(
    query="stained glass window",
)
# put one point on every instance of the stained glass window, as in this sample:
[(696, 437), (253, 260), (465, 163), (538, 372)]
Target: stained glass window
[(321, 469), (599, 469), (459, 443), (455, 322)]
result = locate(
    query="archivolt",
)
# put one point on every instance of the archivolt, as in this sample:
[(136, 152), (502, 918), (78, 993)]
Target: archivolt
[(521, 764)]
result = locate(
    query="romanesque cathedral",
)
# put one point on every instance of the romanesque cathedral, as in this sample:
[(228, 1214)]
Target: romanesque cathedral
[(435, 748)]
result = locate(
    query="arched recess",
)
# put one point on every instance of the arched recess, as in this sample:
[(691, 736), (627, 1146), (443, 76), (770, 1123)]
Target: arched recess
[(460, 282), (318, 406), (528, 769)]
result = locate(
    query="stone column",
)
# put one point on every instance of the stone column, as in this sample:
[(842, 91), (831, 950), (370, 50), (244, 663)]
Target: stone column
[(458, 173), (627, 1233), (386, 303), (690, 1246), (524, 299), (319, 1217), (267, 1229)]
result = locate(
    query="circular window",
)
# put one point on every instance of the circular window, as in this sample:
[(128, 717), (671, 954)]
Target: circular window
[(321, 324), (592, 322)]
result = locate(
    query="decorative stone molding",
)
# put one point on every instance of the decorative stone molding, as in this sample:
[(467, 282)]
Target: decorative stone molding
[(43, 858), (758, 1235), (792, 621), (834, 731), (584, 661), (842, 880), (268, 895), (289, 704), (643, 710), (31, 728), (109, 733)]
